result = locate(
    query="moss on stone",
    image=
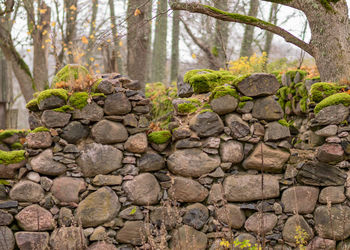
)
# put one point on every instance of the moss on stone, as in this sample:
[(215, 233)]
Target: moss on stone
[(40, 129), (282, 93), (303, 104), (222, 91), (64, 109), (321, 90), (292, 74), (16, 146), (239, 79), (284, 122), (70, 72), (12, 157), (205, 110), (186, 108), (32, 105), (61, 93), (10, 132), (159, 137), (79, 100), (340, 98), (241, 104), (95, 85), (246, 98), (98, 95)]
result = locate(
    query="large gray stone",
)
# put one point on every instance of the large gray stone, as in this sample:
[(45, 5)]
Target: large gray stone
[(32, 240), (5, 218), (51, 102), (330, 130), (67, 189), (27, 191), (259, 85), (74, 132), (268, 109), (289, 232), (261, 223), (275, 131), (35, 218), (300, 199), (196, 215), (7, 241), (241, 188), (44, 164), (224, 104), (150, 162), (191, 163), (108, 132), (187, 237), (334, 114), (332, 223), (117, 104), (99, 159), (231, 151), (207, 124), (143, 189), (187, 190), (272, 161), (91, 112), (53, 119), (239, 128), (231, 215), (98, 207)]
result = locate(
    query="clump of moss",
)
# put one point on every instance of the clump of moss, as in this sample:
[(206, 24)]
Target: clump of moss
[(186, 108), (239, 79), (222, 91), (32, 105), (159, 137), (61, 93), (340, 98), (293, 73), (245, 98), (79, 100), (40, 129), (70, 72), (284, 122), (10, 132), (98, 95), (95, 85), (303, 104), (205, 80), (12, 157), (64, 109), (16, 146), (205, 110), (321, 90)]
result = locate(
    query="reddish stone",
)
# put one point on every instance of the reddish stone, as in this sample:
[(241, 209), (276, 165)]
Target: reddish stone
[(67, 189), (35, 218)]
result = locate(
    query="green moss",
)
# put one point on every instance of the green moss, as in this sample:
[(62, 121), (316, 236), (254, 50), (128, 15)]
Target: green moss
[(159, 137), (194, 101), (321, 90), (95, 85), (40, 129), (303, 104), (241, 104), (61, 93), (205, 110), (222, 91), (239, 79), (214, 51), (16, 146), (283, 122), (292, 74), (186, 108), (11, 157), (288, 104), (340, 98), (70, 72), (98, 95), (32, 105), (10, 132), (246, 98), (282, 93), (64, 109), (79, 100)]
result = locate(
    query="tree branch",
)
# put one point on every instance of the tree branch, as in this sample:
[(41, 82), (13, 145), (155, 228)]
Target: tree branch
[(238, 18)]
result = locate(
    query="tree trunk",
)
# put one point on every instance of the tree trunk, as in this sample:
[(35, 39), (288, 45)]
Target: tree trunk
[(221, 35), (246, 48), (91, 38), (269, 35), (175, 46), (137, 40), (116, 60), (159, 55)]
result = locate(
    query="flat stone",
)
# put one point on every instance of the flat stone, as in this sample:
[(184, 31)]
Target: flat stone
[(239, 128), (10, 171), (187, 190), (90, 159), (74, 132), (184, 89), (300, 199), (107, 180), (32, 240), (102, 246), (289, 230), (131, 213), (332, 195), (8, 204), (35, 218), (319, 243), (334, 114), (320, 174), (6, 236), (196, 215), (67, 189), (187, 237), (68, 238), (187, 144), (150, 162), (216, 194), (98, 207), (130, 120), (273, 160), (275, 131), (5, 218), (27, 191), (191, 163), (224, 104), (33, 176), (98, 234), (181, 133), (39, 140), (330, 153), (136, 143), (261, 223), (260, 84), (108, 132), (231, 215), (54, 119), (268, 109), (330, 223), (51, 102), (207, 124), (143, 189), (330, 130), (91, 112), (133, 232), (117, 104), (44, 164), (231, 151), (240, 188)]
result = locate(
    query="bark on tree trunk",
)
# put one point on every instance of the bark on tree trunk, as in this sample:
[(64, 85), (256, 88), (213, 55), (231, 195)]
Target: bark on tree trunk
[(116, 61), (221, 35), (269, 35), (246, 48), (175, 46)]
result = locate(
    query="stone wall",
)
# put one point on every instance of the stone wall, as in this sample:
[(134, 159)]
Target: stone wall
[(94, 179)]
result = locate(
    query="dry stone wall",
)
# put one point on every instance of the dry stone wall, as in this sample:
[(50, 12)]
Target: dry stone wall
[(94, 179)]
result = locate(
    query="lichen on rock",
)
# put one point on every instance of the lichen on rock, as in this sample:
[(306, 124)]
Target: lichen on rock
[(340, 98), (159, 137)]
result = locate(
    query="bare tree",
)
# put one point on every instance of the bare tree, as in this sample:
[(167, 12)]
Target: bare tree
[(116, 63), (175, 46)]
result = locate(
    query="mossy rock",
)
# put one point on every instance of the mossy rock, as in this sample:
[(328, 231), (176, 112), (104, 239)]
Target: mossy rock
[(340, 98), (293, 73), (239, 79), (186, 108), (12, 157), (205, 110), (222, 91), (61, 93), (321, 90), (16, 146), (205, 80), (64, 109), (32, 105), (79, 100), (159, 137), (40, 129), (10, 132), (70, 72)]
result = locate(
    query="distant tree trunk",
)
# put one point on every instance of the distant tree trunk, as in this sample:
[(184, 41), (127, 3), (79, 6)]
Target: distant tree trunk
[(269, 35), (175, 46), (221, 35), (94, 10), (116, 60), (159, 55), (137, 40), (149, 48), (246, 48)]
